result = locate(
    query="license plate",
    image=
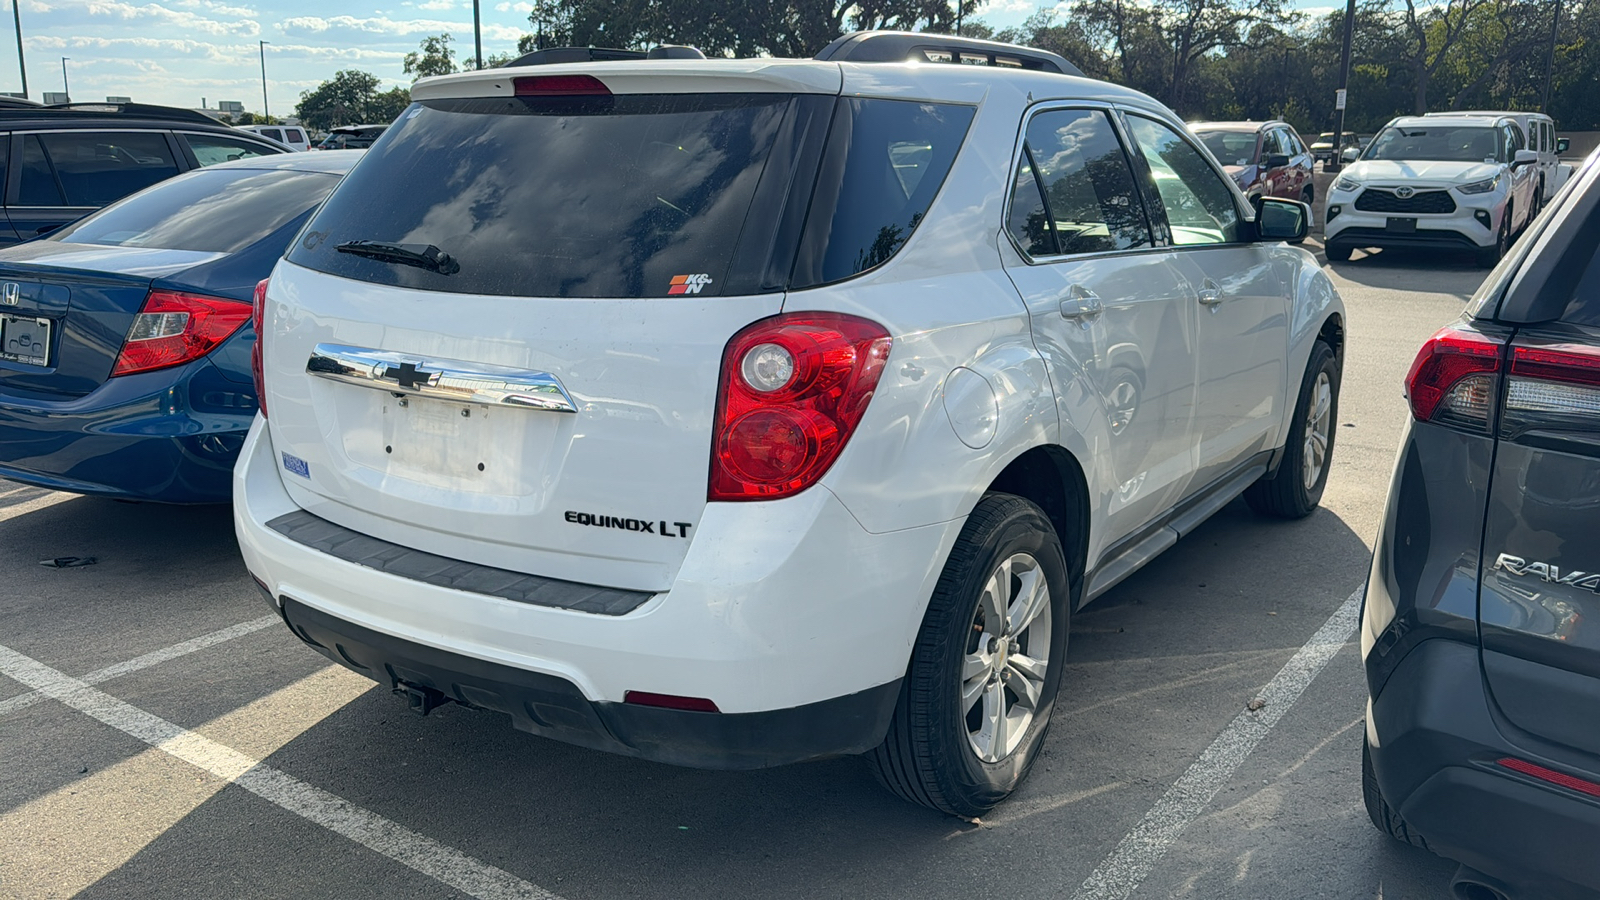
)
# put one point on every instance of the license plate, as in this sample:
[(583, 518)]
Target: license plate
[(25, 339), (1401, 226)]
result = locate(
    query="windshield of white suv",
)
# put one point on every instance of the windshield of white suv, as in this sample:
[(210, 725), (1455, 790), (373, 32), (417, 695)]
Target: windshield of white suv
[(1231, 148), (1456, 143)]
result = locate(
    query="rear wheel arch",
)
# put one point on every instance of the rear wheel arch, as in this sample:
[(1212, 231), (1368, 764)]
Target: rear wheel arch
[(1332, 334), (1049, 476)]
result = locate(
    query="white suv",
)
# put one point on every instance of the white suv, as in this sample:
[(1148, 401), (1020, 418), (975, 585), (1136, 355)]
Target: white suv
[(740, 412), (1446, 182)]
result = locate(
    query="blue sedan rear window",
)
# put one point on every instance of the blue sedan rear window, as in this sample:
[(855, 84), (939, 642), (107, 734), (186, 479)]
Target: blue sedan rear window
[(213, 211)]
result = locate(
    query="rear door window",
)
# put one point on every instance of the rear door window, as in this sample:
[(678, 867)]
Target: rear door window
[(39, 184), (210, 149), (1090, 198), (295, 135), (588, 196), (94, 168), (274, 133), (218, 211)]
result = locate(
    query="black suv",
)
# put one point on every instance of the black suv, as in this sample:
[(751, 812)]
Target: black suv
[(1481, 630), (58, 163)]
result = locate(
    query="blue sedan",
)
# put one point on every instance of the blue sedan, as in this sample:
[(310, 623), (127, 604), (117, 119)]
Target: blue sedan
[(125, 337)]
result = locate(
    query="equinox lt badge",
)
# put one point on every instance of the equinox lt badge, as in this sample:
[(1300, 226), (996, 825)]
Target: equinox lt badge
[(641, 525)]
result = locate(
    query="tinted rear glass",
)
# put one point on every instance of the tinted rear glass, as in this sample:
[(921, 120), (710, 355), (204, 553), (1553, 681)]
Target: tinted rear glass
[(217, 211), (95, 168), (625, 196), (885, 162)]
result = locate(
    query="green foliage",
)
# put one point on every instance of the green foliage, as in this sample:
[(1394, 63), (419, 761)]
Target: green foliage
[(350, 97), (434, 57)]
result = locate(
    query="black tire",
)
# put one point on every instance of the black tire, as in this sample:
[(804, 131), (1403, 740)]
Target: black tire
[(1383, 816), (1338, 252), (927, 756), (1489, 257), (1308, 196), (1285, 494)]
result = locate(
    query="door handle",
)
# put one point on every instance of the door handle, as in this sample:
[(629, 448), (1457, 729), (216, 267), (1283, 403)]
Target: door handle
[(1081, 304), (1210, 294)]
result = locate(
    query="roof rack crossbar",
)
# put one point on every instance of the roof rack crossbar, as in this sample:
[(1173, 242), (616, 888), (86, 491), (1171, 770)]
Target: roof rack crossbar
[(901, 46)]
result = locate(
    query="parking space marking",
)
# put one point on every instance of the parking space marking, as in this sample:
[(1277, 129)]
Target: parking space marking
[(1121, 872), (156, 657), (423, 854)]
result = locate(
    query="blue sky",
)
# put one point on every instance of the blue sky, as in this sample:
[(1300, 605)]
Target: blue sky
[(176, 52)]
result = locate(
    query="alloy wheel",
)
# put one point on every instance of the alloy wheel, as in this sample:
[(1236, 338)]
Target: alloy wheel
[(1319, 418), (1007, 656)]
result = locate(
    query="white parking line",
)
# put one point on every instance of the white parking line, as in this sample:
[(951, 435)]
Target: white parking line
[(153, 658), (425, 855), (1130, 863)]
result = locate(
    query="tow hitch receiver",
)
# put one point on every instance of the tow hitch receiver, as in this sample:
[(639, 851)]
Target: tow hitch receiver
[(422, 700)]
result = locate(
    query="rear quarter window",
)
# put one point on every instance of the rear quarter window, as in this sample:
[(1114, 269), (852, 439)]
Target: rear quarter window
[(885, 162)]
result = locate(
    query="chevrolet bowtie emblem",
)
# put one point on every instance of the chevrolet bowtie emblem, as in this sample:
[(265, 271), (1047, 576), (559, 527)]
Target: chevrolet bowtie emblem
[(408, 376)]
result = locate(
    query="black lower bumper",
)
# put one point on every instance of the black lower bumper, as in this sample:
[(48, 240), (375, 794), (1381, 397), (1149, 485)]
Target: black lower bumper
[(1436, 762), (1421, 238), (553, 707)]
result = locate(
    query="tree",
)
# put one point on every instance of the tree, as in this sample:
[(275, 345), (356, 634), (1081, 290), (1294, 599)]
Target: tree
[(250, 118), (350, 97), (1434, 32), (434, 57)]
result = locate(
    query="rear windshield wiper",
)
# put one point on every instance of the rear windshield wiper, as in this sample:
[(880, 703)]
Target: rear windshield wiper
[(423, 256)]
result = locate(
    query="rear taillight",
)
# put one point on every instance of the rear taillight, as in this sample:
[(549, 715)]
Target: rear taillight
[(560, 86), (793, 388), (1454, 377), (173, 328), (258, 308), (1551, 380)]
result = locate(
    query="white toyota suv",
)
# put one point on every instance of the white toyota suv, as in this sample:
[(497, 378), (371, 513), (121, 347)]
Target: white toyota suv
[(1463, 182), (731, 413)]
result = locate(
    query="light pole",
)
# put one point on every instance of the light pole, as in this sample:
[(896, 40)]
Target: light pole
[(1549, 64), (1344, 89), (477, 34), (16, 13), (265, 113), (65, 89)]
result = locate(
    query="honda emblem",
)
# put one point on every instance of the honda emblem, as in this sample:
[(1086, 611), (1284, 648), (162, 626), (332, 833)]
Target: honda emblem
[(9, 292)]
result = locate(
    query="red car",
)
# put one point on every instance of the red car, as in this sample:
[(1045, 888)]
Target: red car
[(1266, 159)]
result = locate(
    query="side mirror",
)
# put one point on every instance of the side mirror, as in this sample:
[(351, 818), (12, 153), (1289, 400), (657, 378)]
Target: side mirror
[(1562, 144), (1282, 220), (1351, 154), (1276, 161), (1524, 158)]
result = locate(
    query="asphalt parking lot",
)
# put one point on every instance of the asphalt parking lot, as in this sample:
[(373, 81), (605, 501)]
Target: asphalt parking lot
[(164, 737)]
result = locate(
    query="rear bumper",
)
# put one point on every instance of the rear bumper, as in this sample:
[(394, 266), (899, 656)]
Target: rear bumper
[(169, 436), (553, 707), (1435, 742), (789, 616)]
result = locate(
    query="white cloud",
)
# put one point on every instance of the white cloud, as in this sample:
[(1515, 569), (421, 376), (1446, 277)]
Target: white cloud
[(435, 5), (158, 14), (519, 7)]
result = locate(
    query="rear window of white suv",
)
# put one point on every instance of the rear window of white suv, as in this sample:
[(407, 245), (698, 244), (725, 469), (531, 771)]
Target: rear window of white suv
[(641, 195)]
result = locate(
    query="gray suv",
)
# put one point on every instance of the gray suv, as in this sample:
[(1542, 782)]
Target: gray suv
[(1481, 649)]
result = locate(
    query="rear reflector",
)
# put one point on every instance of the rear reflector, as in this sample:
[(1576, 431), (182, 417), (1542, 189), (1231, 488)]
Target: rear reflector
[(560, 86), (174, 328), (1560, 779), (669, 701), (1453, 355), (1567, 363)]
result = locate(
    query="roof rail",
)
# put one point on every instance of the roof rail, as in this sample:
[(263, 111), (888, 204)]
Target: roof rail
[(602, 54), (142, 110), (901, 46)]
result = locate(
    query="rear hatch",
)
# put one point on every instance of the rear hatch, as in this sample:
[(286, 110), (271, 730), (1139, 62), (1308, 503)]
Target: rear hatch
[(1540, 600), (522, 369), (603, 246)]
